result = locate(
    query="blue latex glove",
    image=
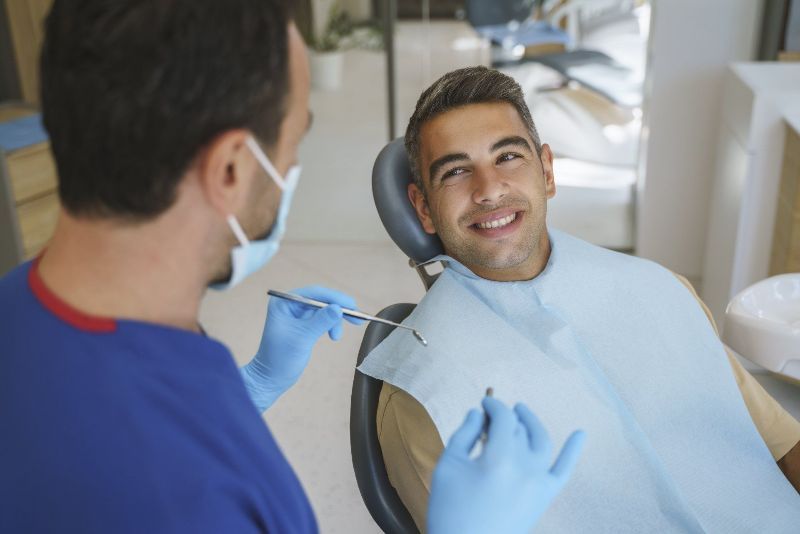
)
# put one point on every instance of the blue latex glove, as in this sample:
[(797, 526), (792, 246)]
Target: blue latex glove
[(290, 332), (509, 485)]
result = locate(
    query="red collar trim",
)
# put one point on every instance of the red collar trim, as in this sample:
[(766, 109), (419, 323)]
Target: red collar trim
[(62, 310)]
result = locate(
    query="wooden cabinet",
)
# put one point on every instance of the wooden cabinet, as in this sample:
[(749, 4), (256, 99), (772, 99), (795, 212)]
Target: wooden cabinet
[(32, 172), (786, 238), (37, 220), (28, 197), (26, 25)]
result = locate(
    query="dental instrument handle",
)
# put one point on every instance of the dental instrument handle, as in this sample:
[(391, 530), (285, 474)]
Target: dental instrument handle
[(485, 430), (360, 315), (345, 311)]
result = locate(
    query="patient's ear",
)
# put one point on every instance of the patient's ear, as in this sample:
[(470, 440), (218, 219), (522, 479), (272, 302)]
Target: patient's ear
[(420, 204), (547, 169)]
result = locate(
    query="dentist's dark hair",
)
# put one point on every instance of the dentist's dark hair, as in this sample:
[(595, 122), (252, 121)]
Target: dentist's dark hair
[(132, 90), (470, 85)]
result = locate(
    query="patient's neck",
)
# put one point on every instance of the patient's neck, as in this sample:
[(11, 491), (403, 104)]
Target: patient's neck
[(527, 270)]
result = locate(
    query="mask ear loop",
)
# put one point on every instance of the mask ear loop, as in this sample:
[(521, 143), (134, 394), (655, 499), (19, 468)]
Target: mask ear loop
[(237, 230), (265, 162), (274, 174)]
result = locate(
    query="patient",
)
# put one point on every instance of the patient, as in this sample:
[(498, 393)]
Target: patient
[(587, 337)]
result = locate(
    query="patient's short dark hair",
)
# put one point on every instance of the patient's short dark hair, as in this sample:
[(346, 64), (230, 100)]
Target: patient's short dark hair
[(133, 89), (471, 85)]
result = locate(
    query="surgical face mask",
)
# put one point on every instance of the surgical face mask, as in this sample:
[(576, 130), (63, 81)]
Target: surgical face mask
[(250, 256)]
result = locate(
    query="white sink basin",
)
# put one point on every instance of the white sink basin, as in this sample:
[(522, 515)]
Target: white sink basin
[(762, 323)]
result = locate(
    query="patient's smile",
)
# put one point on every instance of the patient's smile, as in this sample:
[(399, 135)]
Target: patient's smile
[(498, 224)]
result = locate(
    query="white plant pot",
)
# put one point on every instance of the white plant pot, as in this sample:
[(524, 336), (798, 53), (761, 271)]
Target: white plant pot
[(326, 70)]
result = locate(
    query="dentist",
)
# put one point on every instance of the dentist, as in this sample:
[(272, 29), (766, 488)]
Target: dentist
[(175, 126)]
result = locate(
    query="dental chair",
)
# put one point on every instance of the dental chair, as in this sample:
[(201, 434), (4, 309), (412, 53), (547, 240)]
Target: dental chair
[(507, 24), (390, 178)]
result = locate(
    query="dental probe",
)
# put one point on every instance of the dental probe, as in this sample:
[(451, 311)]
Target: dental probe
[(346, 311), (485, 431)]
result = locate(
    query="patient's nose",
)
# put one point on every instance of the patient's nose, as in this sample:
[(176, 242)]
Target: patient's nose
[(489, 187)]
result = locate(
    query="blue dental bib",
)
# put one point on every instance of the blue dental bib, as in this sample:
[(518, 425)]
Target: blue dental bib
[(615, 345)]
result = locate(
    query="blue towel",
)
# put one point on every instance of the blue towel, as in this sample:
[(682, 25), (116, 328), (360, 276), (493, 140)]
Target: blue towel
[(22, 132), (615, 345)]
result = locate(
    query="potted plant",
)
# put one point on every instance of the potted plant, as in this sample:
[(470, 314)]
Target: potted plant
[(326, 58)]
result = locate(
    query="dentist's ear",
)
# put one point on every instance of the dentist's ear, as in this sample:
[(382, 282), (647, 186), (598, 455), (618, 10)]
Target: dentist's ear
[(420, 203), (547, 168), (225, 170)]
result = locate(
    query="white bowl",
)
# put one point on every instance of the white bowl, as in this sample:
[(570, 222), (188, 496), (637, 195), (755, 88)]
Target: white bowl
[(762, 323)]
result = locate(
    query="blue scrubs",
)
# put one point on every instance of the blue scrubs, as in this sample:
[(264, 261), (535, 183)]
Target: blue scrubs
[(123, 426)]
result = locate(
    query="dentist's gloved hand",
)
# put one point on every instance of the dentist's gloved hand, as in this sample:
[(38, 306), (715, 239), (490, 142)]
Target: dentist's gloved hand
[(509, 485), (290, 332)]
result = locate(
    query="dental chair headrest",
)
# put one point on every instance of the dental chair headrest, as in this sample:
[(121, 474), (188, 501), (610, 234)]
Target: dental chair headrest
[(390, 178)]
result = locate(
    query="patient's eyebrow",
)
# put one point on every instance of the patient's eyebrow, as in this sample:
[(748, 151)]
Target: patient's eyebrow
[(444, 160), (512, 140)]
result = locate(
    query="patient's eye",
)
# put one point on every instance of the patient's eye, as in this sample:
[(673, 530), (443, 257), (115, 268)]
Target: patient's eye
[(457, 171), (508, 156)]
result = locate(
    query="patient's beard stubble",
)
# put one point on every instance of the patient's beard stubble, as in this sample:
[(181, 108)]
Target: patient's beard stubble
[(474, 251)]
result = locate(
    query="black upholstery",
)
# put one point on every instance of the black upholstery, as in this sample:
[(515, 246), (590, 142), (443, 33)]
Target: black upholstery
[(391, 176), (380, 497)]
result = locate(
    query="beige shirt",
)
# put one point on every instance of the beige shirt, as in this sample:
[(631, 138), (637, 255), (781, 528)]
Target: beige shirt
[(411, 444)]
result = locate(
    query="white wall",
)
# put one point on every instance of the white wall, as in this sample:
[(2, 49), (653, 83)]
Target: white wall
[(691, 44)]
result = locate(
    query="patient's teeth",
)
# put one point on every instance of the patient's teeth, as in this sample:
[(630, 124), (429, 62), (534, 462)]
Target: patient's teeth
[(498, 223)]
